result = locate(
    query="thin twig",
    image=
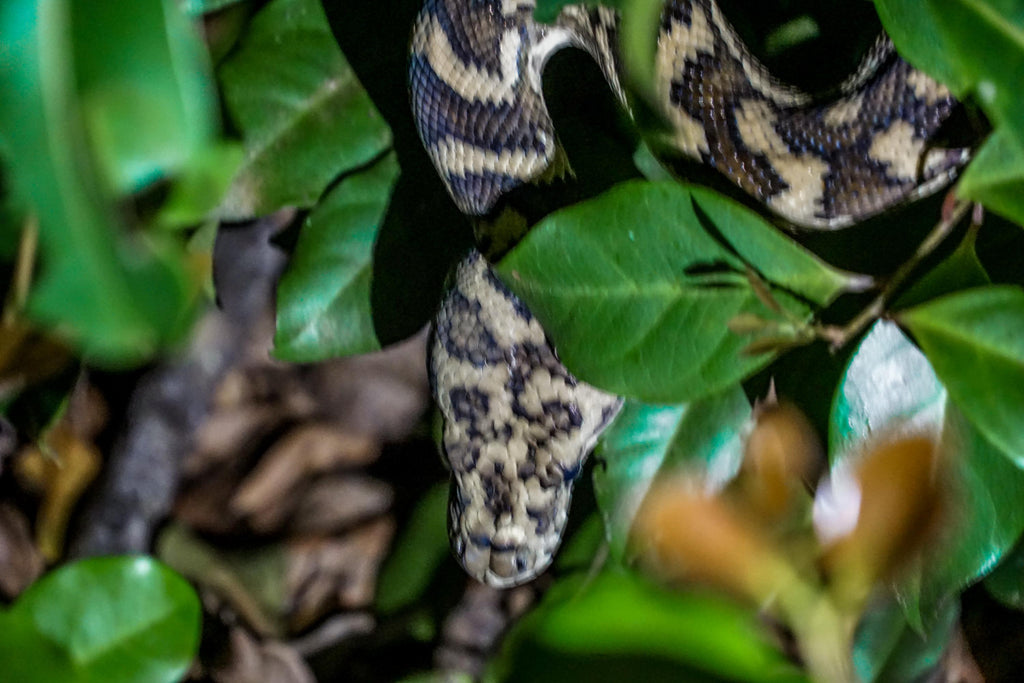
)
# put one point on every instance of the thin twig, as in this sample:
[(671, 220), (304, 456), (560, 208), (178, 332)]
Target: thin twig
[(839, 336)]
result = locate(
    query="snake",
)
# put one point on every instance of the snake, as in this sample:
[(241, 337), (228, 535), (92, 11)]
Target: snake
[(518, 425)]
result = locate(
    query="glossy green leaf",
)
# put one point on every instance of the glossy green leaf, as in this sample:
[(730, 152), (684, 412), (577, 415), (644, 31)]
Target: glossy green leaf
[(973, 31), (637, 296), (117, 296), (303, 115), (616, 627), (917, 35), (775, 256), (323, 303), (888, 650), (996, 176), (1006, 583), (645, 441), (890, 385), (110, 619), (200, 7), (417, 553), (960, 270), (975, 341), (147, 93)]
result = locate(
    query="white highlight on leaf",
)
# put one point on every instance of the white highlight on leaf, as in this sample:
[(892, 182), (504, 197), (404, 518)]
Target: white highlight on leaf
[(836, 505)]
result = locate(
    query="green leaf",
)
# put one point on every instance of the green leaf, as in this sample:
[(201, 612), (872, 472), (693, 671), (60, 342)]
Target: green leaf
[(146, 89), (198, 189), (886, 648), (304, 116), (645, 441), (917, 35), (323, 304), (637, 296), (778, 258), (617, 627), (417, 554), (975, 341), (959, 270), (1006, 583), (889, 385), (110, 619), (973, 31), (996, 176), (197, 8), (118, 296)]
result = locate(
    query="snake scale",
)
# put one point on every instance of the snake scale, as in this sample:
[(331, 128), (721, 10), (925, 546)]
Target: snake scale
[(517, 424)]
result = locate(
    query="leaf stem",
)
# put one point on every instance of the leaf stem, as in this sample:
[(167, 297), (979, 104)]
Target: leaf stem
[(839, 336)]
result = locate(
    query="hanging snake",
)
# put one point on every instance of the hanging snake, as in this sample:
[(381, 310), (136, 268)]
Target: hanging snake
[(517, 424)]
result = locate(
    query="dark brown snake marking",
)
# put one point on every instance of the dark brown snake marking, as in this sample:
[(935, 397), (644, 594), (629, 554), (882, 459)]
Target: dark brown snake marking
[(518, 425)]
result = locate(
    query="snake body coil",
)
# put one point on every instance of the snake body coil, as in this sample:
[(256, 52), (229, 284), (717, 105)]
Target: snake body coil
[(517, 424)]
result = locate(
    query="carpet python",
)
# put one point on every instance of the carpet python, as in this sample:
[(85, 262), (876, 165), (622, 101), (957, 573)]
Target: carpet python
[(517, 424)]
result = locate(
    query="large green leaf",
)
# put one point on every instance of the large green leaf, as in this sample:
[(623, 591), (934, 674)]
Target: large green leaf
[(887, 649), (890, 385), (1006, 583), (118, 296), (645, 441), (975, 341), (996, 176), (637, 295), (974, 31), (323, 302), (303, 115), (146, 89), (617, 627), (109, 619), (775, 256), (916, 33), (960, 270)]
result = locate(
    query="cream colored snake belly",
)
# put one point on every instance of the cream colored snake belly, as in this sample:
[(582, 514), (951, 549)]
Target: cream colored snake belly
[(518, 425)]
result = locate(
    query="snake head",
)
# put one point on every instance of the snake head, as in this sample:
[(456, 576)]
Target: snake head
[(506, 518), (518, 427)]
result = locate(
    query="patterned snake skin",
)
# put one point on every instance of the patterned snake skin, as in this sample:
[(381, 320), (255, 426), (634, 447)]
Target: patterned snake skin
[(518, 425)]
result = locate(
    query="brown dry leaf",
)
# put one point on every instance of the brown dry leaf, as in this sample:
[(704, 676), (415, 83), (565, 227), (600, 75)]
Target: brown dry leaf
[(202, 503), (228, 432), (21, 563), (306, 450), (250, 661), (62, 474), (263, 381), (339, 502), (326, 574), (382, 393)]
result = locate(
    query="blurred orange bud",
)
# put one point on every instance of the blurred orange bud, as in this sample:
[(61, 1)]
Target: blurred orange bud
[(781, 455), (874, 516), (683, 534)]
